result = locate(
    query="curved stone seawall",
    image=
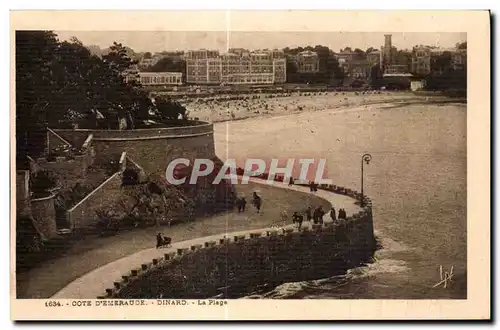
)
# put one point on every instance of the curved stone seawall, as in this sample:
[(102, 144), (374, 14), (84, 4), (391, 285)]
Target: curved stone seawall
[(234, 264)]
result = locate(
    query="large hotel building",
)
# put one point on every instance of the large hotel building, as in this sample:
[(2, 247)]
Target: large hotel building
[(239, 66)]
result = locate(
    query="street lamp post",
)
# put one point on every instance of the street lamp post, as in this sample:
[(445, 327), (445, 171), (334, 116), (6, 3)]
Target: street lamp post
[(364, 159)]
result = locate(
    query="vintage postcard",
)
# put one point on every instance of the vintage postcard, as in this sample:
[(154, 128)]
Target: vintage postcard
[(250, 165)]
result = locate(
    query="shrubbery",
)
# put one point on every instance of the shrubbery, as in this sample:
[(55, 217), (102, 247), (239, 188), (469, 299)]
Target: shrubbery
[(40, 183)]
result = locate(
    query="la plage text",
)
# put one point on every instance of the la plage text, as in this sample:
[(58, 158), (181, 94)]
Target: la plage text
[(177, 302)]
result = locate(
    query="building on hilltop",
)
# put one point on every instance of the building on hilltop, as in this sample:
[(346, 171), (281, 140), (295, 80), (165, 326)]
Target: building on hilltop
[(387, 51), (459, 59), (146, 63), (396, 68), (424, 58), (242, 67), (239, 51), (421, 60), (307, 62), (374, 57), (201, 66), (344, 56), (358, 69)]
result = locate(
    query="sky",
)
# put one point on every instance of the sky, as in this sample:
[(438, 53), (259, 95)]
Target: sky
[(142, 41)]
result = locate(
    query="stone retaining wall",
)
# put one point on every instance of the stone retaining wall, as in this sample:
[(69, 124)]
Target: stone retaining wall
[(108, 194), (67, 172), (233, 264), (44, 216), (153, 149)]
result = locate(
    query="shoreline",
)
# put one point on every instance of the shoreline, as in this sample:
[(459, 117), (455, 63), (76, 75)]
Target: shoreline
[(233, 110)]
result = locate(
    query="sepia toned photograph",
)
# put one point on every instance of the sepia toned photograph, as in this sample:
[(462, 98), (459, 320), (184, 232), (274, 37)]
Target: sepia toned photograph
[(211, 167)]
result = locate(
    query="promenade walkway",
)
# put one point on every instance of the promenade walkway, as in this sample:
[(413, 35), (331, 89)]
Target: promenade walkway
[(94, 283)]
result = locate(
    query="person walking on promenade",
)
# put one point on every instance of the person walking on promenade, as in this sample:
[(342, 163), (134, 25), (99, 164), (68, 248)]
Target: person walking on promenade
[(317, 215), (159, 240), (298, 218), (333, 215), (342, 214), (309, 213), (291, 181), (321, 213), (257, 201), (238, 204), (243, 204)]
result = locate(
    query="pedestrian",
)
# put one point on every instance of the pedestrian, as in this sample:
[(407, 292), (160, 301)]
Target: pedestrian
[(321, 213), (309, 213), (243, 204), (291, 181), (159, 240), (257, 201), (238, 204), (317, 215), (333, 215), (298, 218), (342, 214)]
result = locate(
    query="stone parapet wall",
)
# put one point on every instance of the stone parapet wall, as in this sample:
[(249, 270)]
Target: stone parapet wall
[(234, 263), (83, 214), (197, 127), (67, 172), (153, 149), (44, 216)]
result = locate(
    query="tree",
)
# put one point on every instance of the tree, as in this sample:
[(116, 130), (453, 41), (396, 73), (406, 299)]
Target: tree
[(333, 68), (34, 90), (359, 54), (147, 55), (370, 49), (167, 110), (168, 64), (403, 58), (118, 59), (59, 84), (441, 63), (462, 45)]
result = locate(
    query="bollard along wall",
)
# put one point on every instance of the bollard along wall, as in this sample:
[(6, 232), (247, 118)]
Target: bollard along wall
[(233, 266)]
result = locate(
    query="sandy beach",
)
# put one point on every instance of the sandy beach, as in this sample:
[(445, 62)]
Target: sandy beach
[(222, 108)]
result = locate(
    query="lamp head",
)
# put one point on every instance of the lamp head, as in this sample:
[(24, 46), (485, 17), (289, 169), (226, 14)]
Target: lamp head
[(367, 158)]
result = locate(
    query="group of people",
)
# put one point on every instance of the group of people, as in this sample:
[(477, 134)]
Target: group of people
[(313, 186), (342, 214), (316, 215), (241, 202)]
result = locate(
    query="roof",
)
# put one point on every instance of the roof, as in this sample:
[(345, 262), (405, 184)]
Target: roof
[(397, 75), (308, 53), (157, 74)]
